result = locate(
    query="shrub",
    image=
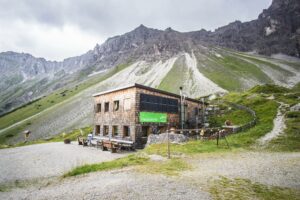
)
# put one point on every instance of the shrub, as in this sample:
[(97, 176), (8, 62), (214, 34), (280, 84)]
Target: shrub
[(293, 114), (67, 141)]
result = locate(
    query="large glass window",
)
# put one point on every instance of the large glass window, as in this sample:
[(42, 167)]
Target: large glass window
[(158, 104)]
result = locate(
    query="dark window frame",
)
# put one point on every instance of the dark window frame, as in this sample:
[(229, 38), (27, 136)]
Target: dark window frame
[(97, 129), (128, 131), (98, 107), (106, 107), (115, 130), (116, 102), (105, 130)]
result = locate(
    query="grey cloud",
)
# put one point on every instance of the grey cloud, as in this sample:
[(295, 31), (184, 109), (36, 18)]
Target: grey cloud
[(107, 18), (110, 16)]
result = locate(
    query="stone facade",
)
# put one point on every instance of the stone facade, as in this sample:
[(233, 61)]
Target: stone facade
[(117, 114)]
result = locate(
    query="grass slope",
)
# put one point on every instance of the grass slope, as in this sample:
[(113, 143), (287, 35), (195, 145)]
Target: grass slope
[(171, 167), (230, 71), (290, 139), (72, 135), (237, 117), (115, 164), (266, 111), (175, 77), (47, 102), (226, 189), (269, 64)]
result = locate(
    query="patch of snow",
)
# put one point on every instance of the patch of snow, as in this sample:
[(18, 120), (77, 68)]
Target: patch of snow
[(269, 30), (218, 55), (272, 28), (98, 72)]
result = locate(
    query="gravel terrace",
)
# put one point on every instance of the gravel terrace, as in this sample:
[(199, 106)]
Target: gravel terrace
[(47, 160), (279, 169), (276, 169)]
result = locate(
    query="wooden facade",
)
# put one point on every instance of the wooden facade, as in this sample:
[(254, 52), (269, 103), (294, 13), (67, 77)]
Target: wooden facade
[(117, 113)]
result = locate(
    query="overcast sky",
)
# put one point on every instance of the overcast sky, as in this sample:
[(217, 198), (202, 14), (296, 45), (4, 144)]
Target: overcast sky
[(57, 29)]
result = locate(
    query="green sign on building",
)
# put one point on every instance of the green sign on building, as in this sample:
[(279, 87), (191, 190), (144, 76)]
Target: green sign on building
[(153, 117)]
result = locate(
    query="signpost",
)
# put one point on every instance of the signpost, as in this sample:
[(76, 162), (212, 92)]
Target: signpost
[(153, 117)]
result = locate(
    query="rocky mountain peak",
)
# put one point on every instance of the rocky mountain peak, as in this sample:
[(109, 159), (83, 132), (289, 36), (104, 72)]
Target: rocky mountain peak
[(280, 4), (141, 29), (169, 29)]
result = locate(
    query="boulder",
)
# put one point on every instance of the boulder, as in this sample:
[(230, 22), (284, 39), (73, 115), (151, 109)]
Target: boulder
[(163, 138)]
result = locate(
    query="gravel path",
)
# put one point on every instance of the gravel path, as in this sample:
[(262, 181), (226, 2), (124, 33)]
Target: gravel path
[(281, 169), (279, 125), (122, 184), (47, 160), (277, 169)]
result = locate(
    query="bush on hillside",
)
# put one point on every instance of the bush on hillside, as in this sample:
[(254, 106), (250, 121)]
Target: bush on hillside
[(268, 89), (293, 114)]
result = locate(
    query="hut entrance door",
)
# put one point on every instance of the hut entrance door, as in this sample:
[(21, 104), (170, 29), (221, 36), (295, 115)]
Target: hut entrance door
[(146, 131)]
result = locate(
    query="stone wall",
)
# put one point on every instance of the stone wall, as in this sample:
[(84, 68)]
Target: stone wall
[(122, 117), (247, 125)]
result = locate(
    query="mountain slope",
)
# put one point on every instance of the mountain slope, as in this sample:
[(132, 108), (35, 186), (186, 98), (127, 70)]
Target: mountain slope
[(183, 70)]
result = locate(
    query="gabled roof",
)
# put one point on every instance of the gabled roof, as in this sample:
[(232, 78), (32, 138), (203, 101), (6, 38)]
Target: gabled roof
[(146, 88)]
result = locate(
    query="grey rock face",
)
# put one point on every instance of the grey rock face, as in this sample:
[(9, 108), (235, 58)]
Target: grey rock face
[(277, 30)]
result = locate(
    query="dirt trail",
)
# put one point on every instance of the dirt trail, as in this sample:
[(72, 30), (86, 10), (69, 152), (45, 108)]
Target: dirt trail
[(279, 125)]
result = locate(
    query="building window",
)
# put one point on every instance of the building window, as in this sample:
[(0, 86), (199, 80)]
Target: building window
[(115, 130), (158, 104), (97, 129), (127, 104), (98, 107), (116, 105), (106, 107), (105, 130), (126, 131)]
